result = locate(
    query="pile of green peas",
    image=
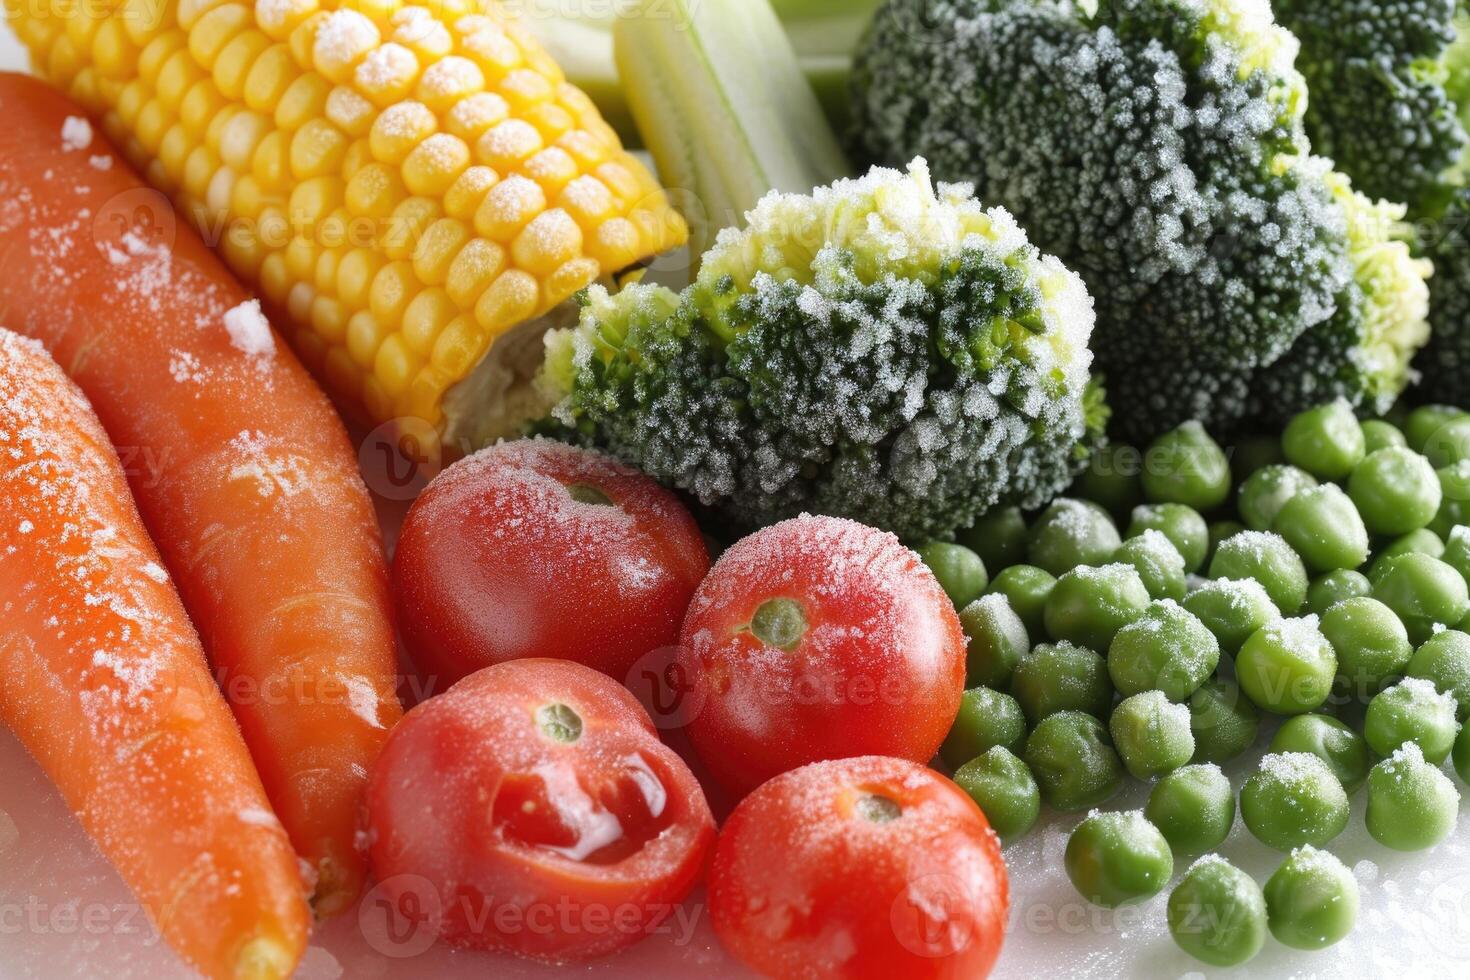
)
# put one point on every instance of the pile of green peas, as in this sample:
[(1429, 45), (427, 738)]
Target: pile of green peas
[(1144, 625)]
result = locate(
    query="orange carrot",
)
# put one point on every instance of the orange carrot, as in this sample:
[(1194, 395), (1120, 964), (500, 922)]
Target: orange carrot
[(242, 470), (105, 683)]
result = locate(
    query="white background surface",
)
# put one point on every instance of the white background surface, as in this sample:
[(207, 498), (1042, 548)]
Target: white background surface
[(64, 913)]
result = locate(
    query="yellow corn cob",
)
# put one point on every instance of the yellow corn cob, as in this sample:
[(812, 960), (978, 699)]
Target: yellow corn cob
[(406, 185)]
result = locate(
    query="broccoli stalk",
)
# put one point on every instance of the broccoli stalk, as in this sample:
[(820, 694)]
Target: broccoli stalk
[(881, 348), (1157, 146)]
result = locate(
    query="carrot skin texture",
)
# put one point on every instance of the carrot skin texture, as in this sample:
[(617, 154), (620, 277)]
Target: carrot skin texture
[(242, 470), (106, 685)]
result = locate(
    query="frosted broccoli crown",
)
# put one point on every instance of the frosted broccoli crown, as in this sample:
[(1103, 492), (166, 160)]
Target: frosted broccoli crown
[(882, 349), (1157, 147), (1378, 71)]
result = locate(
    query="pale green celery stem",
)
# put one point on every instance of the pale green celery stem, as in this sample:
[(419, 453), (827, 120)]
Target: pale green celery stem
[(578, 34), (724, 108)]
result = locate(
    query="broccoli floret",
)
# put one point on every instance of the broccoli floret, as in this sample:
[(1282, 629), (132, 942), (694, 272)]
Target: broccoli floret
[(1445, 362), (1379, 108), (1157, 146), (881, 350)]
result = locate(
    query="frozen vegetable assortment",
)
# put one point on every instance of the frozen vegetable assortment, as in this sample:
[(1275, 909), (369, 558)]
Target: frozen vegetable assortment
[(1059, 405)]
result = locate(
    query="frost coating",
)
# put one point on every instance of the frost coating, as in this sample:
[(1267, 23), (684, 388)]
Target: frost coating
[(883, 349), (1158, 147)]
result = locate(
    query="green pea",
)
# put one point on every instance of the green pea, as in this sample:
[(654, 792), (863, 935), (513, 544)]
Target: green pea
[(1026, 588), (1343, 749), (1412, 711), (1089, 605), (1112, 479), (1116, 858), (1217, 913), (1454, 506), (1151, 734), (996, 640), (1268, 559), (1223, 720), (1444, 660), (1411, 804), (1221, 531), (1287, 667), (1265, 491), (1326, 441), (1424, 592), (1004, 789), (1323, 527), (1311, 900), (1422, 423), (1328, 590), (1371, 644), (999, 538), (1157, 562), (1061, 677), (1293, 799), (1380, 434), (1449, 444), (1255, 453), (960, 571), (1073, 760), (1232, 610), (1193, 807), (1420, 542), (1186, 466), (1165, 649), (1180, 524), (1456, 552), (1396, 490), (1461, 754), (987, 718), (1070, 533)]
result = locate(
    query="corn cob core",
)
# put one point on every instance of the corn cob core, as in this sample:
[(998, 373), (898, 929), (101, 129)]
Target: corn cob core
[(406, 185)]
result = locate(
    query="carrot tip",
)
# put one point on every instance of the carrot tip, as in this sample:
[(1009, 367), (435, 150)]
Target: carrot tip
[(265, 959)]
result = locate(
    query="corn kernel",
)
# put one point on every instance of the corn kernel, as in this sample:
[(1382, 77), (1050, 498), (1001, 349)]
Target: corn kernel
[(508, 207), (434, 165), (199, 171), (506, 144), (333, 231), (524, 88), (317, 150), (378, 11), (387, 75), (324, 274), (298, 303), (305, 99), (407, 223), (301, 257), (145, 19), (275, 278), (475, 267), (460, 346), (232, 67), (551, 120), (303, 39), (158, 51), (553, 168), (174, 151), (218, 27), (243, 252), (464, 196), (399, 129), (358, 155), (511, 299), (278, 18), (375, 191), (269, 78), (470, 117), (314, 199), (202, 103), (82, 26), (566, 281), (426, 395), (447, 81), (393, 287), (436, 249), (176, 78), (190, 11), (425, 317), (341, 41), (417, 29), (550, 240), (364, 336), (496, 54), (271, 163), (152, 123), (355, 275), (329, 319), (350, 112), (343, 376), (241, 137), (114, 54), (214, 133), (248, 198), (376, 400), (584, 148), (396, 365), (615, 244)]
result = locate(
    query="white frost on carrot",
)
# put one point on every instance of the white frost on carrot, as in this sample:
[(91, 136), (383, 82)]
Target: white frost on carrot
[(249, 330), (76, 134)]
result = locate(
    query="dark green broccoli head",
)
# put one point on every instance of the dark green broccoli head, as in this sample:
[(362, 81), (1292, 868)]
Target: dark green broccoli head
[(877, 351), (1445, 362), (1157, 146), (1377, 70)]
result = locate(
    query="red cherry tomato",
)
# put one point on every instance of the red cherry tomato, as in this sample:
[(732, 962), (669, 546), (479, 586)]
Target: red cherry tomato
[(819, 638), (860, 868), (532, 809), (539, 549)]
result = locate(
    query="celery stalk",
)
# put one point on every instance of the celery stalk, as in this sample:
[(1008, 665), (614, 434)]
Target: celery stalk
[(578, 34), (724, 108)]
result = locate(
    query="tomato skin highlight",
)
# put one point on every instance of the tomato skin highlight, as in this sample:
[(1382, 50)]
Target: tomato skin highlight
[(806, 882), (531, 809), (819, 638), (539, 549)]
